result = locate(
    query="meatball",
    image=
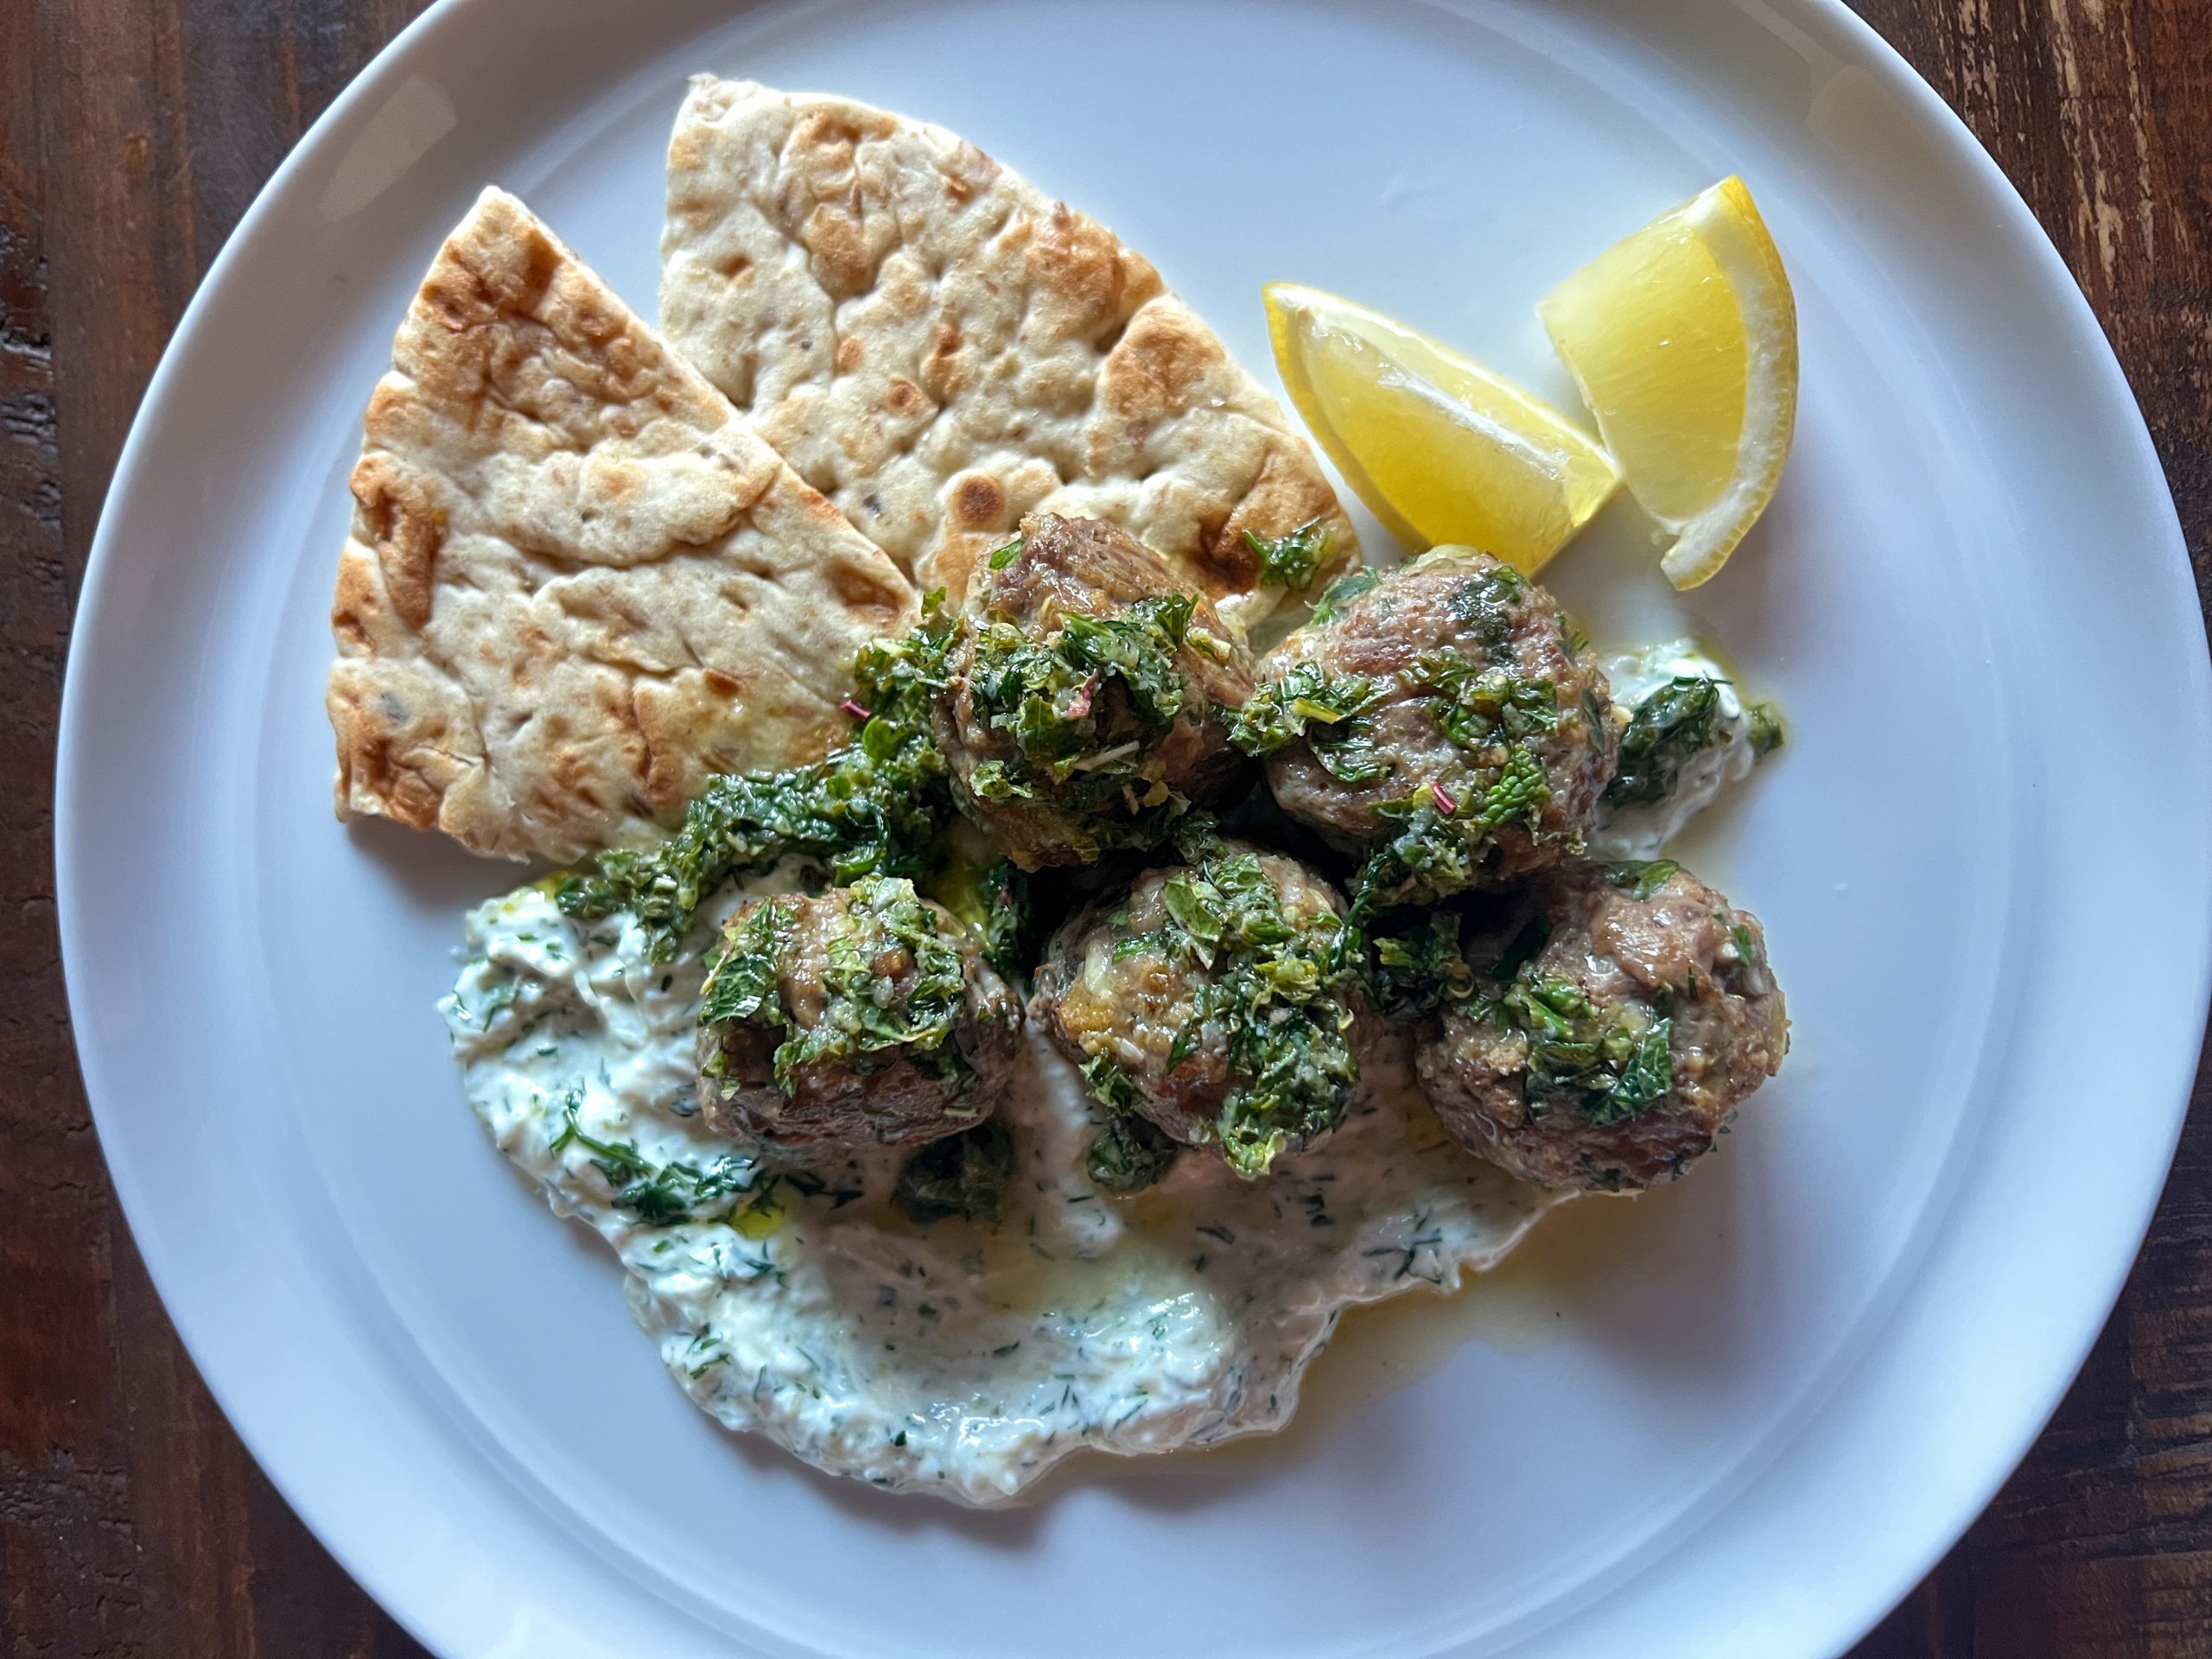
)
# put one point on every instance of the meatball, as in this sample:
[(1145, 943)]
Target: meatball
[(1217, 1001), (1089, 695), (1619, 1014), (864, 1015), (1445, 719)]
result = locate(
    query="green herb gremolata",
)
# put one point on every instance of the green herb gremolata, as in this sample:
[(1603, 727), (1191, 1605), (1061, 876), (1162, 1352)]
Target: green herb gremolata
[(1609, 1065), (963, 1175), (866, 1010), (1677, 723), (1443, 840), (1273, 992), (1294, 559), (1441, 833), (1415, 965), (658, 1194), (1130, 1153), (875, 807), (1330, 711), (1078, 712)]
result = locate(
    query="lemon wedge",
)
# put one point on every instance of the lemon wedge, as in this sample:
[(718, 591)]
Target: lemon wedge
[(1441, 450), (1683, 338)]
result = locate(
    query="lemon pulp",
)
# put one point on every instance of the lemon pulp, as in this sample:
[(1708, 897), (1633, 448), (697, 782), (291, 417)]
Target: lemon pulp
[(1439, 447), (1683, 338)]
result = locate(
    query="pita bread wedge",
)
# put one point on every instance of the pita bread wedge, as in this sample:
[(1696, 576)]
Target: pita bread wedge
[(577, 583), (940, 348)]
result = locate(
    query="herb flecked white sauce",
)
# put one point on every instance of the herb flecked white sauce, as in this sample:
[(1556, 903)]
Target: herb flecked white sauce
[(956, 1357), (1642, 831)]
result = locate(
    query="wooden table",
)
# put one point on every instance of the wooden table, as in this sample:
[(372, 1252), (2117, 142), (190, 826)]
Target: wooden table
[(133, 133)]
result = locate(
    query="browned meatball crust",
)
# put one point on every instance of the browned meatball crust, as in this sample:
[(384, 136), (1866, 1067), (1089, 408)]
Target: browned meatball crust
[(1445, 717), (1218, 1000), (1089, 695), (858, 1016), (1613, 1047)]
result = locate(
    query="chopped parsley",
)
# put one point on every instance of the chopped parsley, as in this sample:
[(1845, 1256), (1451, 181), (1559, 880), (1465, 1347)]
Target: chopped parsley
[(864, 1010), (1272, 991), (963, 1175), (874, 807), (658, 1195), (1479, 706), (1110, 1086), (1137, 943), (1294, 559), (1445, 841), (1415, 965), (1129, 1153), (1642, 878), (1439, 838), (1609, 1065), (1009, 927), (1669, 727), (1341, 593), (999, 902), (1077, 714), (1330, 711), (1743, 964), (1649, 1074), (1483, 603), (746, 969)]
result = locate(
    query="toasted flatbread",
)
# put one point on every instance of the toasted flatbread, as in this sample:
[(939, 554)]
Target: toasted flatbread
[(577, 583), (940, 348)]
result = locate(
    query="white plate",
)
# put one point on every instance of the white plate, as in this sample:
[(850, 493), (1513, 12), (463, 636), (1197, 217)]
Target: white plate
[(1762, 1402)]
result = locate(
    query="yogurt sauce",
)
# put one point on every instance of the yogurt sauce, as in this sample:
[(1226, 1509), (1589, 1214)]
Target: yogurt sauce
[(1640, 831), (955, 1358), (958, 1358)]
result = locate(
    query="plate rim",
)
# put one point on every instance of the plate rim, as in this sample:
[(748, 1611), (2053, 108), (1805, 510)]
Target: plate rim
[(383, 74)]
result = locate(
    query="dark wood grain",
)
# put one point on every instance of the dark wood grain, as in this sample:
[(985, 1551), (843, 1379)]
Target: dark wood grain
[(2101, 111), (132, 137), (133, 133)]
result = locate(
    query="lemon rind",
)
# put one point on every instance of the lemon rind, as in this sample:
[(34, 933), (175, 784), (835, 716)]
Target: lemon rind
[(1727, 221), (1746, 253), (1583, 480)]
